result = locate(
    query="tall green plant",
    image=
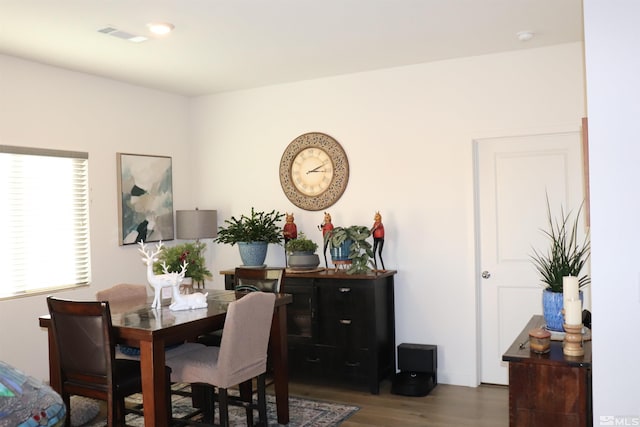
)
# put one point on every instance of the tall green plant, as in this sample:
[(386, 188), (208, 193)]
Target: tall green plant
[(565, 256), (258, 227)]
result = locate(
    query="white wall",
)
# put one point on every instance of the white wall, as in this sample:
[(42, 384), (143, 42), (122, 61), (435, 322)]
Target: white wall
[(48, 107), (613, 67), (407, 133)]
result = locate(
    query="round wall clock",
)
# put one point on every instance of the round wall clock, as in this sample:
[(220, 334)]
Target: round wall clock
[(314, 171)]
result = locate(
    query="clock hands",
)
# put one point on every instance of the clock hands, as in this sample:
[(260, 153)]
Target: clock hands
[(317, 169)]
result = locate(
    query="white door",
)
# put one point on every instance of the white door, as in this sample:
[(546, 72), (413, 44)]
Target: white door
[(514, 177)]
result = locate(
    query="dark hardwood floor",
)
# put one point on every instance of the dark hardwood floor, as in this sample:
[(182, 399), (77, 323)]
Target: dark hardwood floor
[(446, 405)]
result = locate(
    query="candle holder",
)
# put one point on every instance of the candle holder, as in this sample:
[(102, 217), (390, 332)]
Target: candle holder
[(573, 345)]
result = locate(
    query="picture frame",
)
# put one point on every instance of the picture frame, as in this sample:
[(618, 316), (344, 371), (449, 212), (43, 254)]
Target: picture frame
[(145, 198)]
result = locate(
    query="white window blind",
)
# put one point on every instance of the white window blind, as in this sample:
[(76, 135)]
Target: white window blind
[(44, 220)]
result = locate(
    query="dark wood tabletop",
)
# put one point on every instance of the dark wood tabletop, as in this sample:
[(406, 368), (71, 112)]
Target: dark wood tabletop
[(520, 351), (137, 324)]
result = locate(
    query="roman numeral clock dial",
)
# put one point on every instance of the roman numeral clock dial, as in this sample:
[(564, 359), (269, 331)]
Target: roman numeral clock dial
[(314, 171)]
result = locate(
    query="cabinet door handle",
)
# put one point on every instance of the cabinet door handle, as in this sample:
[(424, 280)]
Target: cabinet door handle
[(314, 360), (352, 364), (344, 290), (345, 321)]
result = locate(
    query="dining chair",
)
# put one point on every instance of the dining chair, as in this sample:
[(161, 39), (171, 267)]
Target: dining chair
[(122, 297), (269, 279), (123, 293), (241, 357), (258, 279), (84, 339)]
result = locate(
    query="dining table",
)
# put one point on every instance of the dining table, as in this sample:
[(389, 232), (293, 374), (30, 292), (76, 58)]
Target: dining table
[(136, 324)]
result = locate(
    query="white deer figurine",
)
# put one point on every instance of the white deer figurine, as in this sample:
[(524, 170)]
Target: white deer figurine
[(188, 301), (158, 281)]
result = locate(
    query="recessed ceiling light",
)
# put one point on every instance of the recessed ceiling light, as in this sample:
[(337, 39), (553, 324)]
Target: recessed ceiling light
[(525, 36), (160, 28)]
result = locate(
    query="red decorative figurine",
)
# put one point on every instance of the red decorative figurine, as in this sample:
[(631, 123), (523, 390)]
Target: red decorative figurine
[(290, 230), (326, 227), (377, 230)]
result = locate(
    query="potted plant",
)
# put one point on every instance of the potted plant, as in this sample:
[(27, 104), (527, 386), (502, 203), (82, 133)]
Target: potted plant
[(253, 234), (301, 253), (566, 256), (349, 246), (192, 253)]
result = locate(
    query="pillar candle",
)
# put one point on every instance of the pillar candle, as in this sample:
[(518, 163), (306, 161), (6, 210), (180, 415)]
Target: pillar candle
[(573, 312), (569, 288)]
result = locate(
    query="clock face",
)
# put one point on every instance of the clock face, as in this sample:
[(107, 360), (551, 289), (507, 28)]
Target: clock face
[(314, 171)]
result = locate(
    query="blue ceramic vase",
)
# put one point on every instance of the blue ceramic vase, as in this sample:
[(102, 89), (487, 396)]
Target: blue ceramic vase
[(341, 253), (253, 254), (552, 305)]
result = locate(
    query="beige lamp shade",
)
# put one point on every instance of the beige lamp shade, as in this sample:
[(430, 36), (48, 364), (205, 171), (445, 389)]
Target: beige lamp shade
[(196, 224)]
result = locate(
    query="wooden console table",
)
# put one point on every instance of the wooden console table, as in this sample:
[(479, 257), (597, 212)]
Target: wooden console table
[(548, 389), (340, 326)]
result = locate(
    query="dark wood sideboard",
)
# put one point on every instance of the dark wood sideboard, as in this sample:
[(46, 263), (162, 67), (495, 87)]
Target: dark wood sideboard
[(340, 326), (548, 389)]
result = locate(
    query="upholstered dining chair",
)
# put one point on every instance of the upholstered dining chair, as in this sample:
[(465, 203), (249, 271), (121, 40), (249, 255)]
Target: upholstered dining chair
[(121, 297), (269, 279), (241, 357), (84, 338), (123, 294), (258, 279)]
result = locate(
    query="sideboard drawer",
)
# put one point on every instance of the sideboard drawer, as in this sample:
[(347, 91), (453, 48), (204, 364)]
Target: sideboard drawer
[(344, 363), (342, 298), (343, 331)]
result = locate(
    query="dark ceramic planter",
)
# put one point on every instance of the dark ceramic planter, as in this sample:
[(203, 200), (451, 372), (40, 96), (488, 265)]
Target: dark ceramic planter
[(303, 260)]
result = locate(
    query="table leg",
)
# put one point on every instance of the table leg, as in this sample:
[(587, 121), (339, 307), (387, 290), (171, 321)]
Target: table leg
[(279, 354), (54, 363), (154, 394)]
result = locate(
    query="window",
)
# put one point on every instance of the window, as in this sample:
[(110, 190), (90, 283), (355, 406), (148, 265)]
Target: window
[(44, 220)]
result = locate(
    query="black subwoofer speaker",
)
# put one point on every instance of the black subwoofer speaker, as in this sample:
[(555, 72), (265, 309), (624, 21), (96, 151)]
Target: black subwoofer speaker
[(418, 364)]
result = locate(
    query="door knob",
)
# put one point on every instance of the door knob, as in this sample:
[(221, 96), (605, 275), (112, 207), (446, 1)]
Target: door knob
[(486, 274)]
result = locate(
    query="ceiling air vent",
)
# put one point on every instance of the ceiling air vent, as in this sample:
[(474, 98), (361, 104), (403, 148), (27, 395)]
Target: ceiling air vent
[(122, 34)]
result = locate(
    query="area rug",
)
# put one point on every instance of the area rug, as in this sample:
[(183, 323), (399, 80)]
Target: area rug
[(83, 410), (302, 412)]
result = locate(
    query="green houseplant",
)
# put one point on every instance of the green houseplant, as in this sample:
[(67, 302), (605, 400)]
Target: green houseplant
[(350, 244), (301, 244), (301, 253), (566, 255), (192, 253), (252, 233)]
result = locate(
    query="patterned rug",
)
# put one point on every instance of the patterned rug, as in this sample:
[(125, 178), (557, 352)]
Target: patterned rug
[(302, 412)]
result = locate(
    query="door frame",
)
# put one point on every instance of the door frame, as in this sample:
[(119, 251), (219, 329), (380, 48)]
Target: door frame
[(475, 141)]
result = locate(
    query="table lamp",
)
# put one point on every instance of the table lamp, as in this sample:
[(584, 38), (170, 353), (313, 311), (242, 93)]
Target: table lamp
[(196, 224)]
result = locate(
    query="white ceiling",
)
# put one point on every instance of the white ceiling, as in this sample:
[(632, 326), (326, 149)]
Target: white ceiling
[(221, 45)]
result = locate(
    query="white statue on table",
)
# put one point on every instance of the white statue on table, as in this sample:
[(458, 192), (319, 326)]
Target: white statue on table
[(168, 278), (158, 281), (187, 301)]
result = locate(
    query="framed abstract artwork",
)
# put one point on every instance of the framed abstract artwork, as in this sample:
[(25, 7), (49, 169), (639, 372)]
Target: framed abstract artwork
[(145, 198)]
